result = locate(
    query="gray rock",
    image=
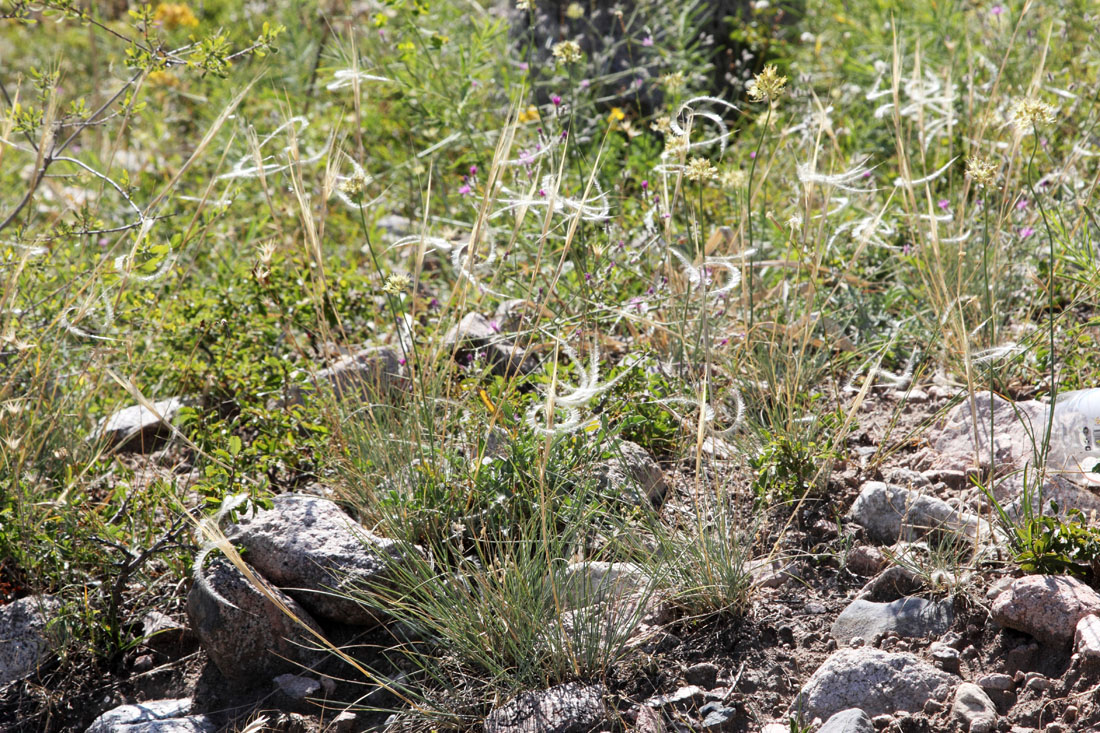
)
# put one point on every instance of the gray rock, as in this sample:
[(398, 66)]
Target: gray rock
[(684, 698), (24, 640), (309, 547), (865, 560), (243, 631), (890, 513), (1046, 606), (915, 618), (877, 682), (973, 709), (891, 584), (588, 583), (852, 720), (568, 708), (945, 657), (476, 333), (634, 474), (137, 430), (367, 374), (996, 681), (156, 716), (162, 632), (719, 718), (297, 686), (703, 674)]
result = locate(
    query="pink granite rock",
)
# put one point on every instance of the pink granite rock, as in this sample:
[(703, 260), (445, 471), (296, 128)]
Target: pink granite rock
[(1046, 606)]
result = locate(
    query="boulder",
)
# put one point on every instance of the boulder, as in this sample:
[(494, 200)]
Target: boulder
[(319, 555), (155, 716), (244, 632), (878, 682), (24, 640), (633, 474), (568, 708), (907, 617), (136, 429), (1018, 428), (1048, 607), (890, 513)]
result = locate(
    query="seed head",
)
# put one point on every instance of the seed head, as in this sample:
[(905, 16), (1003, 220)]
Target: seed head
[(674, 82), (767, 85), (396, 284), (661, 124), (732, 179), (700, 169), (677, 145), (567, 52), (1030, 113), (980, 170)]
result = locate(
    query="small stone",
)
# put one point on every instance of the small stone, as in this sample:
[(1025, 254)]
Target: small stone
[(866, 560), (1069, 715), (1046, 606), (1037, 682), (137, 429), (882, 722), (996, 681), (345, 722), (890, 513), (684, 698), (568, 708), (945, 657), (155, 716), (852, 720), (720, 719), (1086, 640), (907, 618), (704, 674), (973, 709), (297, 687)]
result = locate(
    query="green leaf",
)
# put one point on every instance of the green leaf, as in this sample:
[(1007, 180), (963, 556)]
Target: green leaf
[(234, 446)]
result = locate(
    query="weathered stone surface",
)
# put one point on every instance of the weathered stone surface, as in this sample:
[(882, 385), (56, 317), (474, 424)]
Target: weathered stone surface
[(24, 641), (1046, 606), (568, 708), (317, 554), (243, 632), (890, 513), (587, 583), (1086, 639), (852, 720), (865, 560), (684, 698), (366, 374), (297, 686), (137, 430), (718, 718), (1015, 424), (907, 617), (973, 709), (703, 674), (155, 716), (891, 584), (634, 474), (878, 682), (476, 333)]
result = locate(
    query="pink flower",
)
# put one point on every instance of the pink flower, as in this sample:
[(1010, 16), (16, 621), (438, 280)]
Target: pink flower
[(647, 41), (997, 9), (556, 100), (943, 204), (464, 190), (473, 170), (1026, 232), (1021, 204), (645, 185)]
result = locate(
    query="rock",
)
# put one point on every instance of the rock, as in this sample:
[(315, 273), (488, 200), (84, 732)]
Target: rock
[(243, 632), (865, 560), (891, 584), (772, 573), (310, 547), (945, 657), (1046, 606), (633, 474), (297, 687), (719, 718), (136, 429), (877, 682), (852, 720), (345, 722), (476, 333), (685, 698), (366, 375), (24, 639), (973, 709), (515, 316), (162, 632), (156, 716), (996, 681), (1086, 640), (914, 618), (908, 478), (890, 513), (568, 708), (1014, 424), (704, 674), (588, 583)]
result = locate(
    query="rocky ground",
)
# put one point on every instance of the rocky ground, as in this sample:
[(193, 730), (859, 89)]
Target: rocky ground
[(889, 606)]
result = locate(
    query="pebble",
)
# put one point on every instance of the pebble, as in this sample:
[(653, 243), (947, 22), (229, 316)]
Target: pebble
[(973, 709), (995, 681), (906, 617), (852, 720), (1086, 640), (945, 657), (704, 674)]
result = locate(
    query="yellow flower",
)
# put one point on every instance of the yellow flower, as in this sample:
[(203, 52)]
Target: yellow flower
[(529, 115), (767, 85), (574, 11), (174, 15), (617, 115), (980, 170), (161, 78)]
